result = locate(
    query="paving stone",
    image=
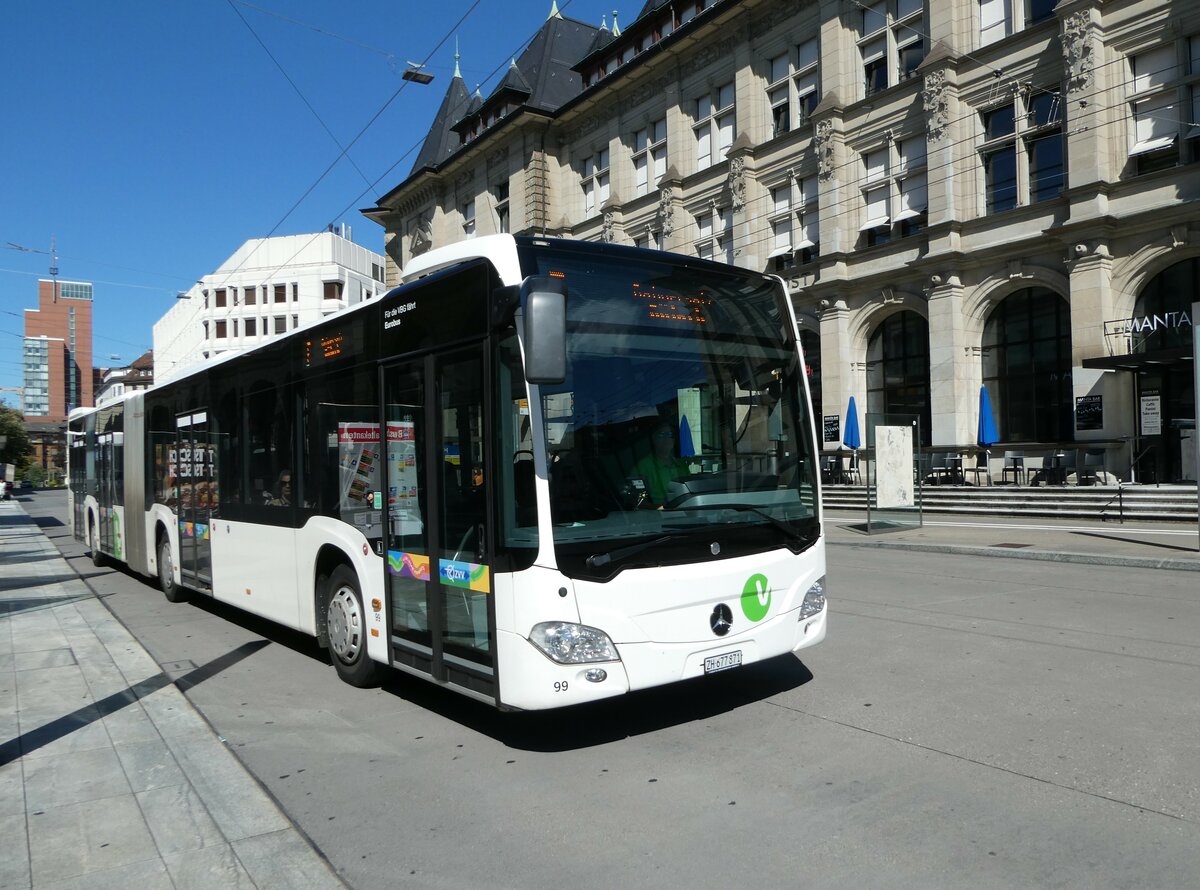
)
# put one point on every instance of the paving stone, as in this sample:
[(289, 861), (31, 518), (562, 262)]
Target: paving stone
[(178, 819), (208, 868), (150, 874), (83, 838), (284, 859), (14, 852), (59, 780)]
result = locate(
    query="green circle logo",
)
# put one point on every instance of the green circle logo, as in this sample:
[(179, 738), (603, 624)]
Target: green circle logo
[(756, 597)]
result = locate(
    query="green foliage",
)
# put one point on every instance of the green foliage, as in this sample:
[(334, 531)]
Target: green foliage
[(17, 448)]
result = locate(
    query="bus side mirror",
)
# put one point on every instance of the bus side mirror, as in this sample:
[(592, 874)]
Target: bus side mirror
[(544, 304)]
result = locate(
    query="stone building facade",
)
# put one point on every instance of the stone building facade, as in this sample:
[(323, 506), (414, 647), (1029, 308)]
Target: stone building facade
[(957, 193)]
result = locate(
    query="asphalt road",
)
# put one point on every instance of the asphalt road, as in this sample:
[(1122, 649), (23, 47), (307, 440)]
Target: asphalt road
[(968, 722)]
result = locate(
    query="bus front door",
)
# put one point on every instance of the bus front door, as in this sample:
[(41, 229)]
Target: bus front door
[(439, 580), (195, 470)]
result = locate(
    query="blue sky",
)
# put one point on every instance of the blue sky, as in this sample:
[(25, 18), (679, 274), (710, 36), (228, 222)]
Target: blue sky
[(150, 138)]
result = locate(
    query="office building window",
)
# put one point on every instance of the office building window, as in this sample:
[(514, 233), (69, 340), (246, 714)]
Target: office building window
[(794, 225), (594, 179), (793, 86), (715, 235), (281, 293), (649, 156), (1022, 151), (1000, 18), (251, 327), (891, 42), (219, 298), (715, 123), (500, 202), (1164, 105), (468, 218)]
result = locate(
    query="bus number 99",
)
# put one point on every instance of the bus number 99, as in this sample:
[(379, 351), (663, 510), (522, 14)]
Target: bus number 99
[(560, 685)]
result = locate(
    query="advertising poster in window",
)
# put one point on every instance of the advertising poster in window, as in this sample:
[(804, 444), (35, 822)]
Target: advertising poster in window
[(1151, 412), (359, 464), (404, 509)]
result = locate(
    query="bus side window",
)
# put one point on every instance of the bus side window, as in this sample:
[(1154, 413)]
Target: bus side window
[(269, 440)]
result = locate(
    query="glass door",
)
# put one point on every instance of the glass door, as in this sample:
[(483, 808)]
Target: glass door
[(439, 580), (195, 472)]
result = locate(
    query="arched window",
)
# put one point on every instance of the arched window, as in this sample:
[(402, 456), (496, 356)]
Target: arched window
[(898, 369), (1027, 366), (1162, 317)]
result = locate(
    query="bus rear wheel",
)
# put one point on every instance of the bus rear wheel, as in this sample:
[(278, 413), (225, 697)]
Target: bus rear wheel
[(166, 573), (346, 623), (98, 559)]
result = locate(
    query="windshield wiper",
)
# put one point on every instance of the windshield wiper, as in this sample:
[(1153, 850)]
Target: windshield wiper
[(794, 534), (596, 560)]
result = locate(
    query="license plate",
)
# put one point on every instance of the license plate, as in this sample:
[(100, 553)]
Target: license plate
[(724, 662)]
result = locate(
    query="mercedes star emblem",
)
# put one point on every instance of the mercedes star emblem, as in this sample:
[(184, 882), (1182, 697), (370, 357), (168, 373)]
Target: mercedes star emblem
[(721, 620)]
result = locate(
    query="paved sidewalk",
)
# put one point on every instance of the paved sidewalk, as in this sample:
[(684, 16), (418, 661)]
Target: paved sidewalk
[(1157, 545), (108, 776)]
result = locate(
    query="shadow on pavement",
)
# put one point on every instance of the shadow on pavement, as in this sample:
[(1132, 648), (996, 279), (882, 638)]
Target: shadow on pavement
[(1139, 541), (599, 723)]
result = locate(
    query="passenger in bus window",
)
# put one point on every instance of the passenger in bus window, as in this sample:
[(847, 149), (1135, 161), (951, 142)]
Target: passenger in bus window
[(661, 466), (283, 491)]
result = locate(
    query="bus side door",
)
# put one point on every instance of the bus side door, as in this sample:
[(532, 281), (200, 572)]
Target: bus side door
[(439, 579), (194, 467)]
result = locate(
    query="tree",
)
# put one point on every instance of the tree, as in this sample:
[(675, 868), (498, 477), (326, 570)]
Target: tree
[(16, 448)]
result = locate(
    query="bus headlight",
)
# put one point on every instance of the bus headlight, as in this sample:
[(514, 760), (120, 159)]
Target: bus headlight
[(814, 600), (569, 643)]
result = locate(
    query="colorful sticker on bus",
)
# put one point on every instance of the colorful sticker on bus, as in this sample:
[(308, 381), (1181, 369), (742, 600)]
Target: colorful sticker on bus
[(408, 565), (465, 574)]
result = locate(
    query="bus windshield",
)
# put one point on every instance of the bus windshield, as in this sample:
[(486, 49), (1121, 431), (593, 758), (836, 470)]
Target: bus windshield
[(681, 432)]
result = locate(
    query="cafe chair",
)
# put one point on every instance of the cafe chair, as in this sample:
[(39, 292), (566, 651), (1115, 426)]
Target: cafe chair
[(850, 472), (1014, 462), (1092, 471), (1067, 464), (939, 468), (831, 469), (982, 465)]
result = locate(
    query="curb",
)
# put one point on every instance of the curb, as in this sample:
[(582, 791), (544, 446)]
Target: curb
[(1136, 562)]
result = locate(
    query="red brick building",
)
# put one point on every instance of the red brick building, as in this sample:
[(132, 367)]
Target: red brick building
[(58, 351)]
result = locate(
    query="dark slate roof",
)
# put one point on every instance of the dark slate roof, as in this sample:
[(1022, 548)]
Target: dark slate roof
[(542, 77), (546, 62), (441, 142), (513, 82)]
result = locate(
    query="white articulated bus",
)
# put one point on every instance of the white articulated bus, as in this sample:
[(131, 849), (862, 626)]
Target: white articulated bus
[(538, 472)]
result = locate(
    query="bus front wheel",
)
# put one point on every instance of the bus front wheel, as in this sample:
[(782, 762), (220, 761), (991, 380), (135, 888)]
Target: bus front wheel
[(347, 626), (166, 574)]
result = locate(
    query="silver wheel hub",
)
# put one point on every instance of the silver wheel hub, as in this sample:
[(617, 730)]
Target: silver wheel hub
[(345, 624)]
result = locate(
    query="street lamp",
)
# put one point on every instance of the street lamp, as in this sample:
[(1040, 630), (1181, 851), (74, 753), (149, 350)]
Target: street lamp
[(414, 73)]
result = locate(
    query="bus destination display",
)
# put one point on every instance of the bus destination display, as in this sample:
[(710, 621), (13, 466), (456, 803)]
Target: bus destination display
[(664, 306), (324, 349)]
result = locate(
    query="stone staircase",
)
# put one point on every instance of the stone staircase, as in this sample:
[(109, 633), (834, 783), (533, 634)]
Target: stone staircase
[(1165, 503)]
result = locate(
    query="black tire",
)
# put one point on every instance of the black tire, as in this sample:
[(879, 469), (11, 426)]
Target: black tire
[(346, 623), (166, 573), (98, 559)]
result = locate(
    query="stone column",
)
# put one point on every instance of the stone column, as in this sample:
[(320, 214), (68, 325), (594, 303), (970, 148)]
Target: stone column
[(953, 379), (840, 377)]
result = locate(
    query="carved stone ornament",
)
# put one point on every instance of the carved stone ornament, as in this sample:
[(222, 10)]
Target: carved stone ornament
[(666, 213), (937, 105), (1077, 51), (737, 183), (608, 235), (824, 144), (422, 235)]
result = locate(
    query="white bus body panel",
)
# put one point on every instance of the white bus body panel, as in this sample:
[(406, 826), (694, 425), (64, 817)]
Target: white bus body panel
[(674, 604), (271, 571), (658, 619)]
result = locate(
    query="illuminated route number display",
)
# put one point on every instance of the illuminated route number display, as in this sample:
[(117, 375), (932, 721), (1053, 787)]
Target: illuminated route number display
[(663, 306), (323, 349)]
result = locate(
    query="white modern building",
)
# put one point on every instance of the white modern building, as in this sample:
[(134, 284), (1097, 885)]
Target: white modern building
[(268, 287)]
